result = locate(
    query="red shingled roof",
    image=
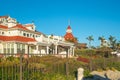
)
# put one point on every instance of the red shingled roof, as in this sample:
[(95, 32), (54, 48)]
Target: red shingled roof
[(3, 27), (20, 27), (17, 38), (68, 36), (28, 25), (3, 16)]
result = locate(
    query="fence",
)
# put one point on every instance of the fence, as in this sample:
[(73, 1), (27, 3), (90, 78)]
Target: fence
[(104, 63), (32, 67), (25, 67)]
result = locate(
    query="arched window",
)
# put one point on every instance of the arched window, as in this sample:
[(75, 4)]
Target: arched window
[(2, 32), (27, 35), (24, 34)]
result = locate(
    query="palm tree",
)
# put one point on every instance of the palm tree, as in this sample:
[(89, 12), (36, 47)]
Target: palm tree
[(102, 40), (90, 38), (114, 44), (112, 41), (118, 45)]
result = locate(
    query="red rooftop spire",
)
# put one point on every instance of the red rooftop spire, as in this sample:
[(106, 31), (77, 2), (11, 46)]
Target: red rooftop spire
[(69, 36)]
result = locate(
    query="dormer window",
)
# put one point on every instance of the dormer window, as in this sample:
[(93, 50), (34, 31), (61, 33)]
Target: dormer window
[(24, 34), (27, 35), (2, 32)]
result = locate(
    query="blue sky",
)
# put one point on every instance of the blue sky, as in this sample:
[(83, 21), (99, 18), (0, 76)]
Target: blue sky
[(88, 17)]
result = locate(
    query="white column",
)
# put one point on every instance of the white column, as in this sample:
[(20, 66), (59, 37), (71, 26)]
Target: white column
[(15, 48), (55, 49), (30, 51), (36, 49), (68, 53), (70, 50), (1, 46), (47, 49), (6, 48), (2, 49), (10, 44), (26, 49), (73, 51)]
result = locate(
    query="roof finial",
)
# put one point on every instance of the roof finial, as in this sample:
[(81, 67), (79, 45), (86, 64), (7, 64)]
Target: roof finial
[(32, 22), (69, 22)]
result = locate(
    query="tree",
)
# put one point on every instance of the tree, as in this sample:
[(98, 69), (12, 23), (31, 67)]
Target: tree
[(118, 45), (102, 40), (75, 39), (90, 38), (113, 43)]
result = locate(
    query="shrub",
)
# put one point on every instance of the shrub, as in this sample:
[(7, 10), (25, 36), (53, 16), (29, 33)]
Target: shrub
[(100, 70), (113, 69), (83, 59), (107, 68)]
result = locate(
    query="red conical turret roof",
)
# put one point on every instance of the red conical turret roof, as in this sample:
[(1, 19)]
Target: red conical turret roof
[(69, 36)]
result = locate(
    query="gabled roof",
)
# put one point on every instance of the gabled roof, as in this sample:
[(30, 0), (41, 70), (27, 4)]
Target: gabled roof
[(4, 16), (19, 26), (3, 27), (28, 25), (17, 39)]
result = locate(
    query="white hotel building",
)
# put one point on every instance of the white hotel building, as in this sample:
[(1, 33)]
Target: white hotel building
[(18, 38)]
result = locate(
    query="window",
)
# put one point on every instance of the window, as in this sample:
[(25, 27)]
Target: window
[(8, 48), (12, 45), (12, 48), (24, 34), (27, 35), (23, 48), (18, 48), (2, 32), (8, 45), (18, 45), (33, 36)]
